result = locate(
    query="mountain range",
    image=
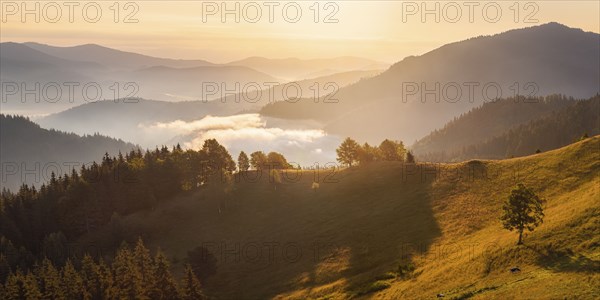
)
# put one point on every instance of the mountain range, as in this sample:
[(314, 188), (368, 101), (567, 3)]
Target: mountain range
[(422, 93), (368, 105), (120, 74)]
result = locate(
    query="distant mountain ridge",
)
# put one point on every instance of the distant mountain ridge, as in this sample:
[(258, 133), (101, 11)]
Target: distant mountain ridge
[(510, 128), (122, 119), (114, 58), (487, 120), (297, 69), (123, 76), (540, 60), (120, 74), (30, 153)]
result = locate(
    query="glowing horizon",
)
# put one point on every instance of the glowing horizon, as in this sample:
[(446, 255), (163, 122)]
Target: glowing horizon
[(369, 29)]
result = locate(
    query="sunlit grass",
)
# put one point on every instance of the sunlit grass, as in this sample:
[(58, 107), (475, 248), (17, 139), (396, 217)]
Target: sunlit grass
[(378, 220)]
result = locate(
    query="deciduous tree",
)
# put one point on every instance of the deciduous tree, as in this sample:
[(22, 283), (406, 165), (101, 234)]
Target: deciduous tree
[(347, 153), (522, 210)]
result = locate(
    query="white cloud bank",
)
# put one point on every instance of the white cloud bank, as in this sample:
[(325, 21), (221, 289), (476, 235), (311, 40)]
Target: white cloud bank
[(249, 133)]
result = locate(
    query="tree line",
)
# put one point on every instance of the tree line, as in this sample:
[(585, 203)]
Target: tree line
[(350, 153), (133, 273), (68, 206), (259, 160)]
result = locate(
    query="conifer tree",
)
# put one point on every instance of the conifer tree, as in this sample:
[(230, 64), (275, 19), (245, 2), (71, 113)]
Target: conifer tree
[(13, 288), (90, 278), (190, 285), (30, 287), (127, 280), (49, 280), (72, 284), (166, 286), (145, 267), (107, 281)]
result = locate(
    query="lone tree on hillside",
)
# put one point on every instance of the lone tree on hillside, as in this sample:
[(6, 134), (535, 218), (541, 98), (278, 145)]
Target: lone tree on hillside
[(348, 152), (522, 210)]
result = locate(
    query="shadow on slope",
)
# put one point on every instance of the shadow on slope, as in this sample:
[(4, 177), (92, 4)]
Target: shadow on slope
[(272, 239)]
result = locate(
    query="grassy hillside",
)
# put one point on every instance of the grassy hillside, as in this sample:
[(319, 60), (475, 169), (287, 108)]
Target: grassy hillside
[(359, 235), (559, 260)]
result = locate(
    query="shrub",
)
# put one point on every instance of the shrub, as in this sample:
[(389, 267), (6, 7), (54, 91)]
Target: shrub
[(405, 270)]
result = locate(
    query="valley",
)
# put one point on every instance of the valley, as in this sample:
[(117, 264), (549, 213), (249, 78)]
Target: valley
[(187, 156)]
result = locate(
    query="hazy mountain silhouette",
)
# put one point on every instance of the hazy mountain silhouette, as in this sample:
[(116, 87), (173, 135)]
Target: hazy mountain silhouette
[(93, 64), (120, 60), (122, 119), (25, 67), (30, 153), (507, 128), (166, 83), (555, 58), (289, 91), (20, 55), (136, 75), (299, 69), (548, 132)]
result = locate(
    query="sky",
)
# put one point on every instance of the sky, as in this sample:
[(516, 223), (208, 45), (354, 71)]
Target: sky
[(386, 31)]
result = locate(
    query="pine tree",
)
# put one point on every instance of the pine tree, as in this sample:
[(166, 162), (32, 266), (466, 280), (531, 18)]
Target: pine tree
[(13, 288), (127, 280), (72, 284), (145, 266), (49, 280), (90, 278), (166, 286), (31, 288), (107, 281), (190, 285)]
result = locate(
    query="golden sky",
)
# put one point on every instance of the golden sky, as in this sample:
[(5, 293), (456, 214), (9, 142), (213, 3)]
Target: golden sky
[(382, 30)]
